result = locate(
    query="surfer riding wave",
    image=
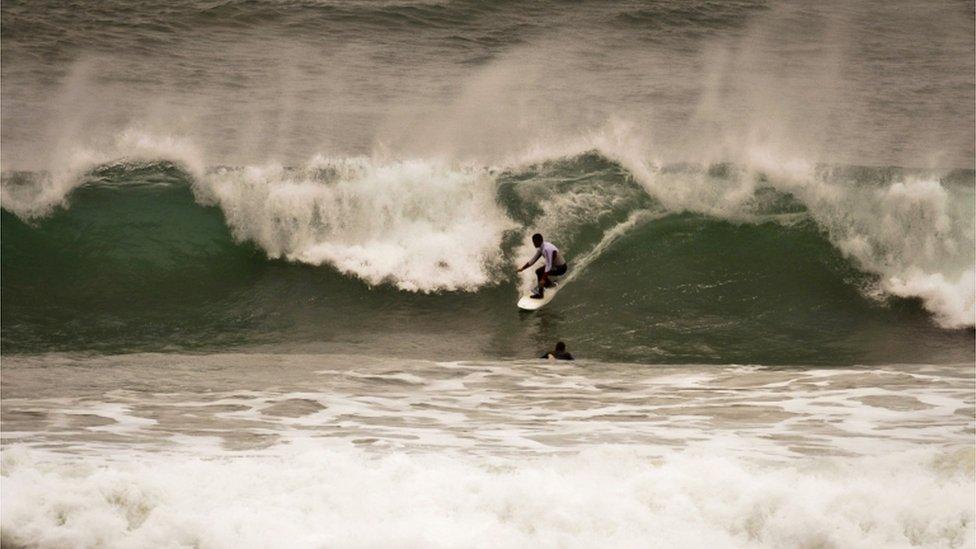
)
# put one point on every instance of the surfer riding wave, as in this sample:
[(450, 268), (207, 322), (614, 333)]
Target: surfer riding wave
[(555, 265)]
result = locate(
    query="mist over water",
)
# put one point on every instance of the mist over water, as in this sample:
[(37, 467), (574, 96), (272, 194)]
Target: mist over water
[(868, 83)]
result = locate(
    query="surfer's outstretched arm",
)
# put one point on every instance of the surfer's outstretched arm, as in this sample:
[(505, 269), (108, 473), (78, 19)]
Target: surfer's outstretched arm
[(538, 254)]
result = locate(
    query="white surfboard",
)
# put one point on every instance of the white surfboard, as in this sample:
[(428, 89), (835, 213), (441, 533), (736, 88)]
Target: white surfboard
[(528, 303)]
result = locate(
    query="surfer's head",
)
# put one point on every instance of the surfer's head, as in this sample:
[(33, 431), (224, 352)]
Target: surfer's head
[(560, 347), (537, 239)]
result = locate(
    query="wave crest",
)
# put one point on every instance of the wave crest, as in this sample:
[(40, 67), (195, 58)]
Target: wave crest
[(420, 225), (914, 230)]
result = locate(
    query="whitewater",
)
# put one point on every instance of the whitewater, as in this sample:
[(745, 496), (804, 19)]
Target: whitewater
[(258, 274), (252, 449)]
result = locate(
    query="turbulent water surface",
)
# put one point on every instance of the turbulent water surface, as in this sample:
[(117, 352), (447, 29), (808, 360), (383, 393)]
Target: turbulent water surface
[(258, 265), (324, 450)]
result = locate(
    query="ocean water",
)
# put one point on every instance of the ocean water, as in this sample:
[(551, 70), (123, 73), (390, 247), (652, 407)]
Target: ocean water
[(258, 274), (258, 450)]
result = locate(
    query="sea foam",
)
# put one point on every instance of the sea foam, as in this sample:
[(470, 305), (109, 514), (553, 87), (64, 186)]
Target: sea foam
[(306, 496)]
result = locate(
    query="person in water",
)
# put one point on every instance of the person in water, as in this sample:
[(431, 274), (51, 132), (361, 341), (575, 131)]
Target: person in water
[(559, 353), (555, 264)]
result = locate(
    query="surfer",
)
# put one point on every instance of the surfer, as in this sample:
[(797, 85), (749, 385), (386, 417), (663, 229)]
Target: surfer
[(555, 264), (559, 353)]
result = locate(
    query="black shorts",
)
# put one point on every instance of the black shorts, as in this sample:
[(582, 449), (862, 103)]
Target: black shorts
[(558, 270)]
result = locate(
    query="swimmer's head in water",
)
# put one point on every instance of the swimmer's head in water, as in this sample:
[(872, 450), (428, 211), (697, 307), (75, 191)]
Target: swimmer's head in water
[(537, 239), (560, 347)]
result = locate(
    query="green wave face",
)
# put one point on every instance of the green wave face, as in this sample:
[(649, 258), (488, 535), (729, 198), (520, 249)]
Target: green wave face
[(138, 261), (133, 258)]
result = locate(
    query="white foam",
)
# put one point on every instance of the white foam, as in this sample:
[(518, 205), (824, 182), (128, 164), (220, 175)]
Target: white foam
[(124, 420), (420, 225), (601, 497)]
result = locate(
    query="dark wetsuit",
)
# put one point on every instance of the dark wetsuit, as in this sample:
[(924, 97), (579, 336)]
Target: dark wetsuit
[(558, 356)]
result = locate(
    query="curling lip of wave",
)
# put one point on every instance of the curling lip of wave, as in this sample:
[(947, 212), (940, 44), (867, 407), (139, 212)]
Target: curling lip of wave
[(51, 189)]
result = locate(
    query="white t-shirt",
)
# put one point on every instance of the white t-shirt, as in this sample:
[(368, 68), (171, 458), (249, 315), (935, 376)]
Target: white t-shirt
[(548, 252)]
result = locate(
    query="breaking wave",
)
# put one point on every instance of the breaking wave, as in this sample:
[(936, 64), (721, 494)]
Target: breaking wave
[(805, 238)]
